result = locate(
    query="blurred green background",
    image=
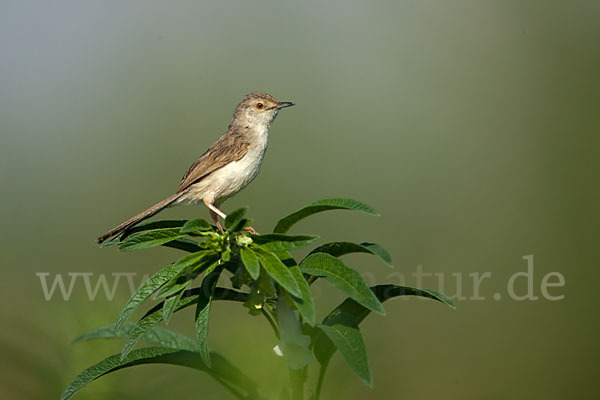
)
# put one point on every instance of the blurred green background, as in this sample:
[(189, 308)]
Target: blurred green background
[(471, 126)]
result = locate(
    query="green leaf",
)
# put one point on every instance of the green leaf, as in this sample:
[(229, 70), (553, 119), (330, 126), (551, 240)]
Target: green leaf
[(152, 225), (305, 304), (152, 238), (184, 243), (191, 260), (189, 298), (286, 223), (276, 242), (144, 226), (222, 293), (234, 218), (226, 255), (250, 262), (113, 363), (278, 271), (383, 293), (155, 335), (343, 332), (256, 299), (146, 289), (203, 312), (286, 258), (111, 242), (171, 302), (196, 225), (222, 370), (342, 277), (338, 249), (324, 348), (244, 222), (147, 322), (193, 265)]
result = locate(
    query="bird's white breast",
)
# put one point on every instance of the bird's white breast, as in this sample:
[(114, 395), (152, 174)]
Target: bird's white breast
[(230, 179)]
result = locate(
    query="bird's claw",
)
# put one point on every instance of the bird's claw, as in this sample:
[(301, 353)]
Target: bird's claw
[(251, 230)]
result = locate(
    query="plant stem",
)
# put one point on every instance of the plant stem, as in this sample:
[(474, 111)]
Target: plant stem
[(297, 378), (320, 381), (271, 322)]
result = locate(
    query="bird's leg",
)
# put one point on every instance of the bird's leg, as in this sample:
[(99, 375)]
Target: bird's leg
[(215, 219), (215, 213)]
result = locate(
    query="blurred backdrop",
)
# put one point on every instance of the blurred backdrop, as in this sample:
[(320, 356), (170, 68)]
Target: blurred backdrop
[(471, 126)]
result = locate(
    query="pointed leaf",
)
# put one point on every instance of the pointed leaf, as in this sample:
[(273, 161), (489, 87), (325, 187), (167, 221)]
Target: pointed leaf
[(383, 293), (286, 258), (342, 277), (222, 370), (221, 293), (343, 332), (278, 271), (170, 304), (113, 363), (155, 335), (196, 225), (244, 222), (189, 298), (147, 288), (250, 262), (194, 264), (111, 242), (338, 249), (234, 218), (324, 348), (191, 260), (152, 225), (144, 226), (305, 304), (286, 223), (147, 322), (151, 238), (203, 312), (184, 243), (276, 242)]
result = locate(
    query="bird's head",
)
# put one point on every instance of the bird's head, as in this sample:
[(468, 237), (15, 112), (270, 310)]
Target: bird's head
[(258, 110)]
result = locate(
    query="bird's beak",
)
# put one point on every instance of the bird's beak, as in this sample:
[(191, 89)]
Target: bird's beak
[(284, 104)]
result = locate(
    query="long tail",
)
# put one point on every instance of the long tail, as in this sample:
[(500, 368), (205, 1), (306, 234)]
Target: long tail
[(139, 218)]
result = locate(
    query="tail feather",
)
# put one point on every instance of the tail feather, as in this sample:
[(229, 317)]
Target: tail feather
[(139, 217)]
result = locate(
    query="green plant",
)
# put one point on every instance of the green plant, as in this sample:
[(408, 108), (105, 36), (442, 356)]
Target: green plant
[(275, 286)]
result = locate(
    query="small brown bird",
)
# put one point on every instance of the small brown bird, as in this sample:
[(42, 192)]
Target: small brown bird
[(227, 167)]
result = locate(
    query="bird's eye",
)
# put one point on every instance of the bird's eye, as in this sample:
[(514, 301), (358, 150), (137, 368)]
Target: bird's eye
[(260, 106)]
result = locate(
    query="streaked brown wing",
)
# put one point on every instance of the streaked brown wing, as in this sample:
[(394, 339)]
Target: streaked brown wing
[(226, 149)]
